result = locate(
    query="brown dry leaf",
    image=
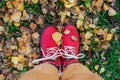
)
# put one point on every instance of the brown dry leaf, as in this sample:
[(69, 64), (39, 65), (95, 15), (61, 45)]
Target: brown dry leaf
[(35, 55), (57, 37), (105, 7), (44, 10), (109, 37), (9, 4), (14, 60), (88, 35), (67, 32), (105, 45), (69, 3), (33, 25), (110, 0), (96, 67), (16, 16), (35, 1), (21, 58), (74, 38), (98, 4), (112, 12)]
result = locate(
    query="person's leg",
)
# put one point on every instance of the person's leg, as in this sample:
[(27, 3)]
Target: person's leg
[(77, 71), (73, 70), (50, 58), (42, 72)]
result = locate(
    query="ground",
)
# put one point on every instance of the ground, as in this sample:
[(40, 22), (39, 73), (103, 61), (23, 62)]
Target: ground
[(98, 23)]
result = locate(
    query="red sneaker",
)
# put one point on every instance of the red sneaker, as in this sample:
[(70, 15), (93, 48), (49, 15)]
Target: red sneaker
[(50, 50), (70, 46)]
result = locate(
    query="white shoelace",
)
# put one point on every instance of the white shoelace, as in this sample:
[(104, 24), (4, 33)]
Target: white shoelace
[(60, 52), (48, 56), (72, 51)]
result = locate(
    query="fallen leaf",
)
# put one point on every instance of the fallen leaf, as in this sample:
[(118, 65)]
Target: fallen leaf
[(56, 36), (9, 4), (111, 12), (105, 45), (88, 35), (92, 25), (16, 24), (14, 60), (105, 7), (25, 15), (87, 42), (96, 67), (20, 67), (63, 16), (35, 1), (67, 32), (33, 25), (85, 47), (69, 3), (16, 16), (79, 23), (1, 29), (98, 4), (88, 3), (102, 70), (74, 38), (2, 77), (35, 35), (21, 58), (21, 6), (109, 37)]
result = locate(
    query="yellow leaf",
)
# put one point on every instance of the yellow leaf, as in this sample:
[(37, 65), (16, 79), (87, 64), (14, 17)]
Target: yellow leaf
[(14, 60), (81, 16), (9, 5), (109, 37), (88, 35), (16, 16), (112, 12), (25, 15), (105, 7), (85, 47), (16, 24), (79, 23), (56, 36), (35, 1), (96, 67), (63, 16), (92, 25), (21, 58), (69, 3), (21, 6)]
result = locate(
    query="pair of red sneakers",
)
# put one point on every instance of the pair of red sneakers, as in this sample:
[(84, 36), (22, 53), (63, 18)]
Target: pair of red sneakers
[(68, 52)]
